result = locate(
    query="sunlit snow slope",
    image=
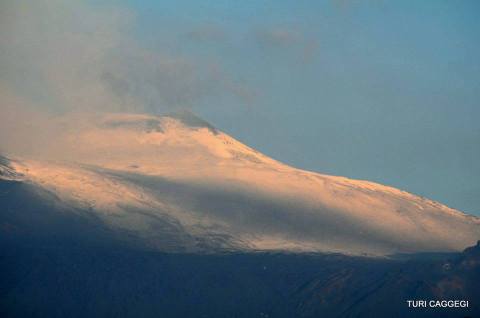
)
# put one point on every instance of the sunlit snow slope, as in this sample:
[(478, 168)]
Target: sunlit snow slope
[(175, 183)]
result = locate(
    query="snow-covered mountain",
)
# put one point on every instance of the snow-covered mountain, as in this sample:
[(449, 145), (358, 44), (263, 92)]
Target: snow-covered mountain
[(175, 183)]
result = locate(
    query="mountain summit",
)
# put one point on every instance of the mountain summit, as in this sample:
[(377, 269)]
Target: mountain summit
[(176, 183)]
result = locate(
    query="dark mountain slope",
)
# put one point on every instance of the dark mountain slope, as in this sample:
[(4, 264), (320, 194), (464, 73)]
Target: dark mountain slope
[(56, 262), (97, 282)]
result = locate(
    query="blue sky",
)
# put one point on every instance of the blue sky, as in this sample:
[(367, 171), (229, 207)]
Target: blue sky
[(386, 91), (380, 90)]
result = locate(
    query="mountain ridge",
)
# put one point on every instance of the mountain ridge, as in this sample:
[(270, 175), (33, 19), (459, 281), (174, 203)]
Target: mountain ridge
[(147, 174)]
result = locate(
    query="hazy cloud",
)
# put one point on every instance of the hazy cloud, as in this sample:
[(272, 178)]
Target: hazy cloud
[(278, 37), (53, 51), (58, 57), (207, 33), (71, 56), (159, 83), (285, 39)]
